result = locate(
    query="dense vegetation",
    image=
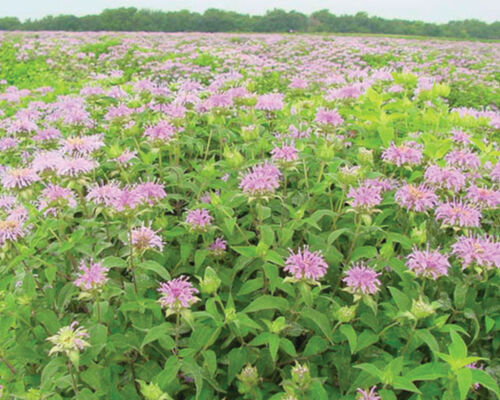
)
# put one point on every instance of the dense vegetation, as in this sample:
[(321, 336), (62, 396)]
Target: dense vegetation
[(213, 20), (241, 216)]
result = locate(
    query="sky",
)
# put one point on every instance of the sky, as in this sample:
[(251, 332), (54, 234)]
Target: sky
[(425, 10)]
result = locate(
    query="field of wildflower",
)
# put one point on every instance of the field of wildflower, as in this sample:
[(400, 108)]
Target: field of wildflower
[(275, 217)]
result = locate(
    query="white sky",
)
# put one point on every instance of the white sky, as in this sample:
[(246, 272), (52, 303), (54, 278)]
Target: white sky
[(425, 10)]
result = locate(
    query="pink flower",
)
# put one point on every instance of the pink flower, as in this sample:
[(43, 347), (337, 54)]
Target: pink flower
[(53, 197), (270, 102), (328, 117), (484, 197), (448, 177), (145, 238), (8, 143), (495, 172), (407, 153), (127, 199), (285, 153), (47, 134), (161, 132), (218, 247), (74, 166), (416, 198), (306, 264), (261, 180), (460, 136), (482, 251), (177, 293), (82, 145), (125, 157), (150, 191), (364, 196), (104, 194), (455, 213), (361, 279), (199, 219), (19, 177), (92, 276), (465, 159), (428, 263), (297, 83), (365, 395), (11, 229)]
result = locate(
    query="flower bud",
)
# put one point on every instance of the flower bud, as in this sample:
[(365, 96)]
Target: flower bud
[(326, 152), (365, 156), (211, 282), (233, 158), (345, 314), (301, 376), (230, 314), (249, 378), (347, 176), (151, 391), (249, 133), (420, 309)]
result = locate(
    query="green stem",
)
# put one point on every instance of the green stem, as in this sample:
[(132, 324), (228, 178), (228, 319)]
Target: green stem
[(73, 380)]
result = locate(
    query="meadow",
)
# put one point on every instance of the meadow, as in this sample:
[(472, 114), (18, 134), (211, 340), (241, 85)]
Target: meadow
[(248, 216)]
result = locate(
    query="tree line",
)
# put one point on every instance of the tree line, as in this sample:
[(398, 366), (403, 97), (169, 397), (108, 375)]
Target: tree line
[(214, 20)]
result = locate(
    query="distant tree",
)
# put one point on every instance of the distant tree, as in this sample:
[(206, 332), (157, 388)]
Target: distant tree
[(277, 20), (9, 23)]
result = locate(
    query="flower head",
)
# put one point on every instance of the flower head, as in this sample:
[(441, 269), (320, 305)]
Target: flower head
[(199, 219), (285, 154), (456, 213), (19, 177), (306, 264), (92, 276), (218, 247), (482, 251), (270, 102), (416, 198), (11, 229), (364, 196), (68, 340), (177, 294), (261, 181), (368, 395), (145, 238), (328, 117), (407, 153), (361, 279), (428, 263)]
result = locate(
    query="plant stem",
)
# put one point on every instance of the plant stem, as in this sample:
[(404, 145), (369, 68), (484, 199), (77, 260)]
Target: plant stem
[(73, 380)]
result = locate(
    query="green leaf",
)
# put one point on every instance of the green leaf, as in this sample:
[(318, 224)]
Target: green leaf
[(457, 348), (156, 333), (483, 378), (151, 265), (288, 347), (402, 300), (349, 332), (386, 134), (320, 320), (247, 251), (169, 372), (464, 379), (427, 372), (364, 252), (112, 261), (371, 369), (404, 384), (267, 302)]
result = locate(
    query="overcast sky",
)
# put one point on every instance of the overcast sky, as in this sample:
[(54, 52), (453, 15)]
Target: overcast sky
[(426, 10)]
